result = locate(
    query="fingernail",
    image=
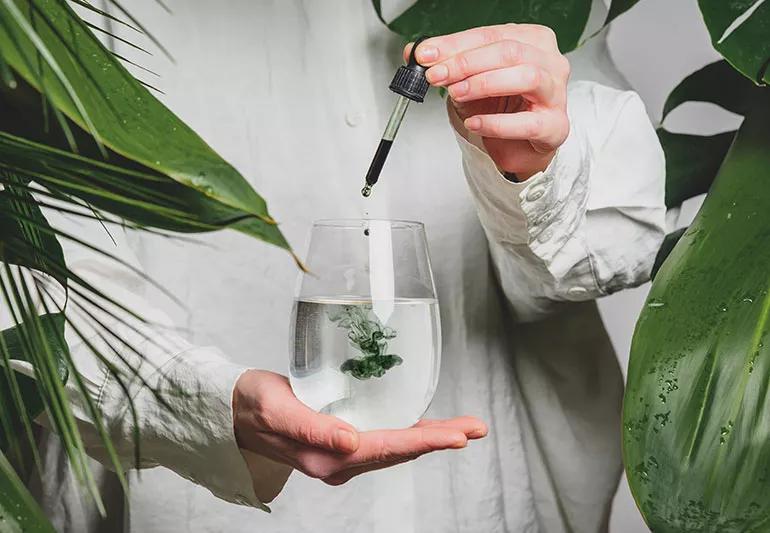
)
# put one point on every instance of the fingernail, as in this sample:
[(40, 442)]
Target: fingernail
[(459, 89), (427, 53), (437, 74), (458, 441), (473, 123), (477, 433), (345, 440)]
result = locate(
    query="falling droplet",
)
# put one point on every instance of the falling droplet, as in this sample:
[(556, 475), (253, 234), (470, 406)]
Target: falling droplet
[(366, 191), (366, 232)]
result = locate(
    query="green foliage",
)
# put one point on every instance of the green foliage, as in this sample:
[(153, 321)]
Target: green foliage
[(143, 196), (665, 250), (692, 161), (617, 8), (13, 340), (696, 423), (80, 135), (27, 238), (567, 18), (18, 510), (739, 30), (717, 83), (52, 50), (370, 337)]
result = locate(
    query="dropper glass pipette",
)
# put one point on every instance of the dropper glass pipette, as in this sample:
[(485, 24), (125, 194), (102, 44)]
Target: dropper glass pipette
[(396, 117), (410, 84)]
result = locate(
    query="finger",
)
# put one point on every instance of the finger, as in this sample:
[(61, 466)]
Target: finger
[(346, 475), (518, 157), (498, 55), (546, 130), (392, 445), (302, 424), (376, 447), (471, 426), (529, 81), (437, 49)]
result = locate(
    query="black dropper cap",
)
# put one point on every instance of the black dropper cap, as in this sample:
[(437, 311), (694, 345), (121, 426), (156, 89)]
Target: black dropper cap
[(410, 80)]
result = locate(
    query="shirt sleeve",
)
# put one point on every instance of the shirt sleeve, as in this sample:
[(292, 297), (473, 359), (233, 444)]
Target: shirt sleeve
[(181, 393), (592, 222)]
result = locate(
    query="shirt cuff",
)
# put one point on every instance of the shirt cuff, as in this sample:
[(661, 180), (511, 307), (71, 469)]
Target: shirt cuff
[(543, 211), (195, 438)]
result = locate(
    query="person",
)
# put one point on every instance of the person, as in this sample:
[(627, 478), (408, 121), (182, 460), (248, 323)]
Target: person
[(563, 204)]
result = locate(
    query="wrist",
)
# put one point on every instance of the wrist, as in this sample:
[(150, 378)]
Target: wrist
[(244, 404)]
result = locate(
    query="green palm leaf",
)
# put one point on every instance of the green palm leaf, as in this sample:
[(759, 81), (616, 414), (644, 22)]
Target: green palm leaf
[(116, 150), (90, 86), (18, 510), (31, 400)]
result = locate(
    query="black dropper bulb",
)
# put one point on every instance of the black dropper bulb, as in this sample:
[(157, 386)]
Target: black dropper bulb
[(410, 80), (412, 85)]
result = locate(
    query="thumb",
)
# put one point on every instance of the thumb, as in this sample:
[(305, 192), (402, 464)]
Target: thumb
[(302, 424)]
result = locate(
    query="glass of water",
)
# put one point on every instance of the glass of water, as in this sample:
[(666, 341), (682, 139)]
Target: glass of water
[(366, 336)]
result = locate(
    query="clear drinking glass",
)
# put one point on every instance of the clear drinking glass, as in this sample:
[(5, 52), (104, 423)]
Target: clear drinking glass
[(366, 335)]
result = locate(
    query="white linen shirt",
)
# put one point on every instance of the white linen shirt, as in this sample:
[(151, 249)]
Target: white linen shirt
[(516, 265), (573, 232)]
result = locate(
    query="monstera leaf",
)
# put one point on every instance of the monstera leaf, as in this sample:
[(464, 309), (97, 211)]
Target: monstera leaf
[(697, 406), (717, 83), (567, 18), (618, 7), (692, 161), (739, 30)]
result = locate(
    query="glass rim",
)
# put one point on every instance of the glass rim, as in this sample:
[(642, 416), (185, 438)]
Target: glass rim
[(355, 223)]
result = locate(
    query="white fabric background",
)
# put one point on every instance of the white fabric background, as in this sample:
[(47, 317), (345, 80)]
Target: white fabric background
[(289, 104)]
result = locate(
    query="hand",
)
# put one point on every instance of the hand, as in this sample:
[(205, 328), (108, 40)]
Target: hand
[(270, 421), (508, 85)]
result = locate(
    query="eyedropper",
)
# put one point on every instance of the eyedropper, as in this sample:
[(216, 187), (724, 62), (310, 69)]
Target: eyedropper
[(410, 84)]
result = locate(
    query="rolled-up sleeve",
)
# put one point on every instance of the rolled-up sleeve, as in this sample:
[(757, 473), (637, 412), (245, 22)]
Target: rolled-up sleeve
[(592, 222), (181, 393)]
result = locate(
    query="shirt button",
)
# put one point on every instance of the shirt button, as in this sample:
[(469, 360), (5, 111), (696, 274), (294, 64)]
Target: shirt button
[(353, 118), (545, 236), (544, 218), (576, 291), (535, 193)]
